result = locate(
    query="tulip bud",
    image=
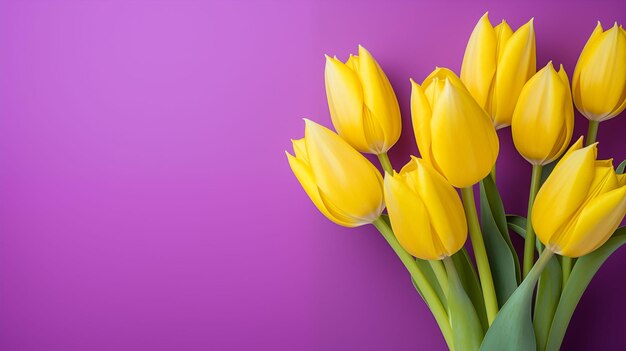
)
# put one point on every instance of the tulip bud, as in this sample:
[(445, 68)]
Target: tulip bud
[(581, 203), (342, 183), (496, 65), (425, 211), (599, 81), (453, 133), (543, 120), (363, 106)]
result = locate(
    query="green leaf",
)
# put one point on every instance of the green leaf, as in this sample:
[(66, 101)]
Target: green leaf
[(621, 167), (584, 270), (469, 279), (517, 224), (548, 293), (503, 260), (466, 326), (548, 290), (512, 330)]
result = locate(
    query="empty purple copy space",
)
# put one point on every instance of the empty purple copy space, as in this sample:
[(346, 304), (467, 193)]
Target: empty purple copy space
[(145, 199)]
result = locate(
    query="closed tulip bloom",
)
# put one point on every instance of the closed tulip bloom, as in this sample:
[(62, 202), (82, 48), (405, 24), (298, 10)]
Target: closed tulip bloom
[(363, 106), (543, 120), (599, 81), (453, 133), (342, 183), (496, 65), (425, 211), (581, 203)]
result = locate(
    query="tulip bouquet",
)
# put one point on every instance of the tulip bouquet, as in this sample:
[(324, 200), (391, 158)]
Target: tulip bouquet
[(495, 300)]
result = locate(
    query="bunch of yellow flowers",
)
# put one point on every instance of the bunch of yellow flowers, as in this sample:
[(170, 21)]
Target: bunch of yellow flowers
[(573, 211)]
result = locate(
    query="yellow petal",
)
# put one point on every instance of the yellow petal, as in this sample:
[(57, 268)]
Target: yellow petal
[(421, 114), (434, 83), (345, 101), (383, 130), (582, 59), (299, 147), (596, 223), (464, 142), (503, 34), (479, 60), (563, 192), (568, 112), (516, 65), (444, 207), (306, 178), (348, 183), (539, 126), (409, 219), (601, 81)]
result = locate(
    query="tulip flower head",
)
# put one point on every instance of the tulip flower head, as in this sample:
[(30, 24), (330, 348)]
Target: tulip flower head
[(453, 133), (599, 81), (340, 181), (363, 106), (496, 65), (543, 120), (581, 203), (426, 213)]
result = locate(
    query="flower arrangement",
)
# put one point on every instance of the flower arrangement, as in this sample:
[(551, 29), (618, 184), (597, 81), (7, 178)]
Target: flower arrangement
[(575, 205)]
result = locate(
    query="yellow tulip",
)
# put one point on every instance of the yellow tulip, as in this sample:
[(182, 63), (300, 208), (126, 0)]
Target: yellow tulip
[(363, 106), (453, 133), (581, 203), (426, 213), (340, 181), (496, 65), (543, 120), (599, 81)]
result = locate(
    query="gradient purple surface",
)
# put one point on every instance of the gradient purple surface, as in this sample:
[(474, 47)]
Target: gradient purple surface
[(145, 199)]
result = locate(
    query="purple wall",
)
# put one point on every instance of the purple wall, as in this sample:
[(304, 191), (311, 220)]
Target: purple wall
[(145, 199)]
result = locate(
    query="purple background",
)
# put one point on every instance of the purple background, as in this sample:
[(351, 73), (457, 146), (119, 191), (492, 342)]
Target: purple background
[(145, 199)]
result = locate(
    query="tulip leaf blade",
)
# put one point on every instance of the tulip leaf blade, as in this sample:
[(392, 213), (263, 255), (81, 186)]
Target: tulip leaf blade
[(466, 326), (469, 280), (584, 270), (621, 167), (513, 327), (548, 290), (518, 225), (546, 300), (503, 260)]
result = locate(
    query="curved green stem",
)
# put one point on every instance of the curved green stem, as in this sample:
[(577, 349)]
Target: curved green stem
[(384, 161), (440, 273), (429, 294), (566, 265), (592, 132), (484, 271), (529, 244)]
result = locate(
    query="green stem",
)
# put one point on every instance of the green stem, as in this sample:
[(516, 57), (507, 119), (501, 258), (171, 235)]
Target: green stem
[(566, 265), (384, 161), (529, 244), (592, 132), (484, 271), (429, 294), (493, 173), (440, 273), (537, 269)]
